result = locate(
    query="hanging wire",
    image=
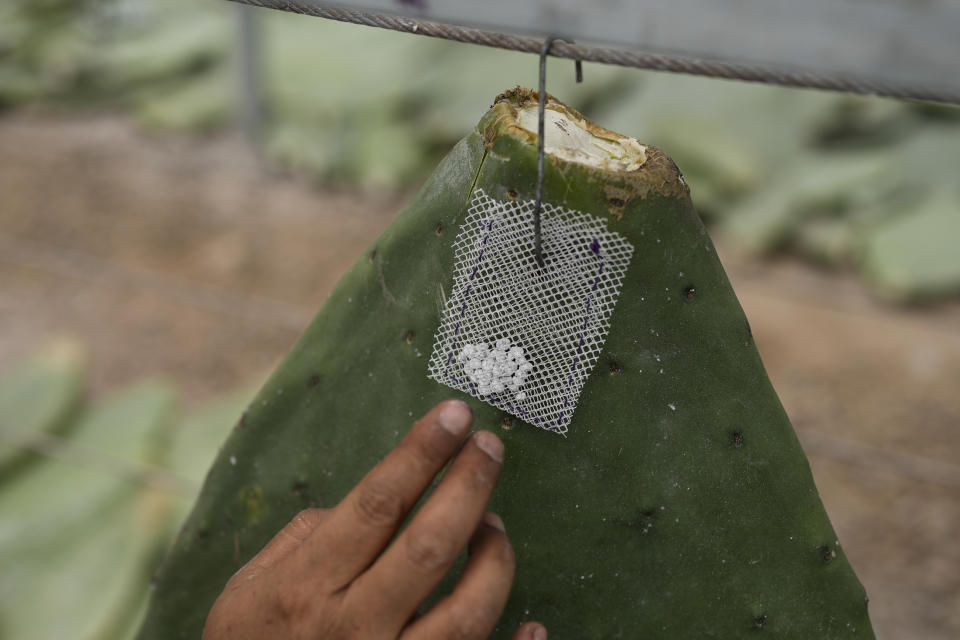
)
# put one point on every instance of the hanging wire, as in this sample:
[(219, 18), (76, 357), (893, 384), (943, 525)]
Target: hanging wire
[(541, 114), (656, 62)]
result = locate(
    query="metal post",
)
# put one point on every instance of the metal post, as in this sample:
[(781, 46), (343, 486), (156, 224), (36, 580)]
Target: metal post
[(250, 106)]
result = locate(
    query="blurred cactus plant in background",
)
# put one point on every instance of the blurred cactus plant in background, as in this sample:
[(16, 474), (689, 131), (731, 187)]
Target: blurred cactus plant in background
[(854, 182)]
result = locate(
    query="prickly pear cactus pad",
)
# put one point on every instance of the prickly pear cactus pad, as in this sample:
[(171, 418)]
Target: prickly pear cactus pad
[(557, 316), (680, 504)]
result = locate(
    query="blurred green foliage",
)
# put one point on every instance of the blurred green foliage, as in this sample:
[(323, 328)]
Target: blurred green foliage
[(91, 494), (842, 180)]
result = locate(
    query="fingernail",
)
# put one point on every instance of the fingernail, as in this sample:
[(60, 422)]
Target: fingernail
[(455, 416), (495, 521), (490, 444), (540, 633)]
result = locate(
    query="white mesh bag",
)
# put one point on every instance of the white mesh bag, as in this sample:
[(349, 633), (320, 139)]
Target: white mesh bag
[(520, 337)]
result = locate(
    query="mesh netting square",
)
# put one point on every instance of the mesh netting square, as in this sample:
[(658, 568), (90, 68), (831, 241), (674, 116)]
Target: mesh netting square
[(517, 336)]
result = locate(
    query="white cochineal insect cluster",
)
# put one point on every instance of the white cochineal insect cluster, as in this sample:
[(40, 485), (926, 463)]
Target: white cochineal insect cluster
[(496, 369)]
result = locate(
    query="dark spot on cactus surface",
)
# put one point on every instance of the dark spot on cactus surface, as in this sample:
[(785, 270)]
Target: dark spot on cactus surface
[(736, 439), (299, 488), (507, 423), (616, 202), (689, 293), (644, 522), (759, 622), (241, 423), (614, 368), (439, 229), (373, 254), (313, 381), (201, 535), (827, 554), (512, 194), (408, 338)]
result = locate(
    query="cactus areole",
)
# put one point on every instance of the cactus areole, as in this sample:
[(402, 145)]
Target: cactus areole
[(680, 504)]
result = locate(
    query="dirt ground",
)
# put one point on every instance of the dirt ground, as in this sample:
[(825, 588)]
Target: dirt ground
[(185, 258)]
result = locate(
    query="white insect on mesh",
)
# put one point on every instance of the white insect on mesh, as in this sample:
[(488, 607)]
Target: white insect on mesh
[(522, 338)]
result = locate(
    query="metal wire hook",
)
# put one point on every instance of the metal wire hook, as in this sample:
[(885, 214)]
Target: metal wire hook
[(541, 110)]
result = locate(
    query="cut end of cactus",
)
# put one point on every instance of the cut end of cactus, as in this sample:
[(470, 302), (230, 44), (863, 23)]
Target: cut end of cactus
[(629, 171), (573, 138)]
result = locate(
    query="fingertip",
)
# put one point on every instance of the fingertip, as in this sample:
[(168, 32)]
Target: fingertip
[(489, 444), (494, 521), (455, 416), (531, 631)]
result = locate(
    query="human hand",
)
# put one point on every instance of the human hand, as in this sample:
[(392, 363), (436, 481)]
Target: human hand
[(327, 574)]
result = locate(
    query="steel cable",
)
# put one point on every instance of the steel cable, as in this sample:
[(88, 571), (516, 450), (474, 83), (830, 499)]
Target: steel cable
[(656, 62)]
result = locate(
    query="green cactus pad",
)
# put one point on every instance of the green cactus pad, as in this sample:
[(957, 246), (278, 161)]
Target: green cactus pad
[(78, 538), (679, 506), (40, 396)]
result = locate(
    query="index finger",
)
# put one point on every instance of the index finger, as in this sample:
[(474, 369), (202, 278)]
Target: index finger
[(358, 529)]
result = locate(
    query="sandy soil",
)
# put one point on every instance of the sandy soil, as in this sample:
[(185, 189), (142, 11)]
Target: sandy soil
[(185, 258)]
